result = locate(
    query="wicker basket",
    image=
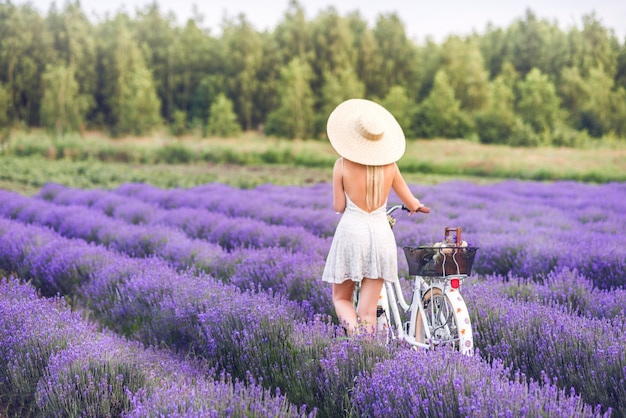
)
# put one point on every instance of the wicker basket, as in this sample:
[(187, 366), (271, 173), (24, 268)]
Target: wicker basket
[(440, 261)]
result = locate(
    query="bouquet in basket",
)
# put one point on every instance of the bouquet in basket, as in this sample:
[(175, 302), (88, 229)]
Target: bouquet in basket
[(452, 255)]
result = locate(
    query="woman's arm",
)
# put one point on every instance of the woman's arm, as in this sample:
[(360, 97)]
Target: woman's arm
[(339, 197), (404, 193)]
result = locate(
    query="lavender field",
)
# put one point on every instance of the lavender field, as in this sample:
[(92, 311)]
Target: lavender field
[(207, 301)]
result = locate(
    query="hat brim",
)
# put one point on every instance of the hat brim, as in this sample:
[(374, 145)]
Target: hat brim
[(345, 138)]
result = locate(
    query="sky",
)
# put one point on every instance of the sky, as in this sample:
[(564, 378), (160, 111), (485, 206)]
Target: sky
[(435, 19)]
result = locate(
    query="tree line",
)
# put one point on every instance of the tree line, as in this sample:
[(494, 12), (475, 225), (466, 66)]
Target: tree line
[(527, 84)]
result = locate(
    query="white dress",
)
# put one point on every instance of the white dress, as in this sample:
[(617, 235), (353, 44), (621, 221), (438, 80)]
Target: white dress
[(363, 246)]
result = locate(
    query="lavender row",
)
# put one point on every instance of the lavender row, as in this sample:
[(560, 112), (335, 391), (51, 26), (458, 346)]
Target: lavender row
[(531, 229), (137, 241), (243, 203), (525, 228), (442, 383), (562, 228), (246, 334), (157, 305), (587, 354), (146, 383), (54, 364), (248, 268), (595, 205), (227, 231), (567, 289)]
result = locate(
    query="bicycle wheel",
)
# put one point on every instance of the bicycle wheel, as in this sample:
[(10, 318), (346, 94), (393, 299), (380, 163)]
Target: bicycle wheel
[(448, 319)]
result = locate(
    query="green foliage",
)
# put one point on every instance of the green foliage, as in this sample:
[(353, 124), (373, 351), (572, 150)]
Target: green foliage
[(174, 154), (137, 72), (139, 105), (222, 118), (495, 124), (4, 107), (75, 44), (538, 104), (464, 65), (604, 110), (332, 40), (401, 106), (524, 135), (25, 49), (244, 56), (339, 87), (593, 47), (493, 128), (294, 116), (564, 135), (63, 108), (398, 60), (128, 86), (440, 114), (179, 123)]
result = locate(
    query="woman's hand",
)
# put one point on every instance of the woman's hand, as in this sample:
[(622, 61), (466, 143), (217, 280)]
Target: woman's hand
[(420, 208)]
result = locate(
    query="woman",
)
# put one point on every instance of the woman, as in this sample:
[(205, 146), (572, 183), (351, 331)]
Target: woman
[(370, 141)]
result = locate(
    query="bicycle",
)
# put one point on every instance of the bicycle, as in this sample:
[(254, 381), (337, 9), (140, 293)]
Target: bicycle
[(438, 315)]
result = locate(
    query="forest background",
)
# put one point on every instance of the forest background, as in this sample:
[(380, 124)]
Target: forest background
[(528, 84), (530, 100)]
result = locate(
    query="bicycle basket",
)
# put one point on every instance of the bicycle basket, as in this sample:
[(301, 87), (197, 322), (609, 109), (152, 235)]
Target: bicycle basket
[(440, 261)]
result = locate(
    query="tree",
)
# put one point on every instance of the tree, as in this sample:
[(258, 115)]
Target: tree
[(398, 56), (4, 107), (243, 57), (292, 35), (492, 46), (194, 56), (63, 108), (620, 75), (368, 58), (139, 104), (536, 43), (294, 116), (497, 121), (131, 101), (338, 87), (440, 114), (157, 39), (574, 95), (25, 47), (538, 105), (75, 45), (5, 128), (463, 63), (593, 47), (222, 118), (604, 107), (401, 106), (332, 41)]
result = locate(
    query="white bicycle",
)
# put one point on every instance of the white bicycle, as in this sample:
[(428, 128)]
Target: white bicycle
[(437, 315)]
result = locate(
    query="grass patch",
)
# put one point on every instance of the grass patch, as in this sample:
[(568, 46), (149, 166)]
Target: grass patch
[(33, 159)]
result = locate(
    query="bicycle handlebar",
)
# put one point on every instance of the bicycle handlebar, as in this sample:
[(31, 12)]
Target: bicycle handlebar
[(423, 209)]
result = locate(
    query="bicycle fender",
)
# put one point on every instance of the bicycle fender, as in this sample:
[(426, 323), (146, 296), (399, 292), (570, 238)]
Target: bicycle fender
[(466, 338)]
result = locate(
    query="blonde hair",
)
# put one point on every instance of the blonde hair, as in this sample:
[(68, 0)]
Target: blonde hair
[(375, 189)]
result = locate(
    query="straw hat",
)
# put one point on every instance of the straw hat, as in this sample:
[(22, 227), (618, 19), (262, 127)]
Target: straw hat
[(365, 132)]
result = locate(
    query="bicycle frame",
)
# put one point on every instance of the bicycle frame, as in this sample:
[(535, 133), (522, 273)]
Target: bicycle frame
[(447, 323)]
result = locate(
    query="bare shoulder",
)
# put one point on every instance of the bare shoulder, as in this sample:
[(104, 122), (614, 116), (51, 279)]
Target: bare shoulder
[(338, 165)]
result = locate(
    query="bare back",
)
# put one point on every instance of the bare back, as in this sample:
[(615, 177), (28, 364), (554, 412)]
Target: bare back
[(351, 178)]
